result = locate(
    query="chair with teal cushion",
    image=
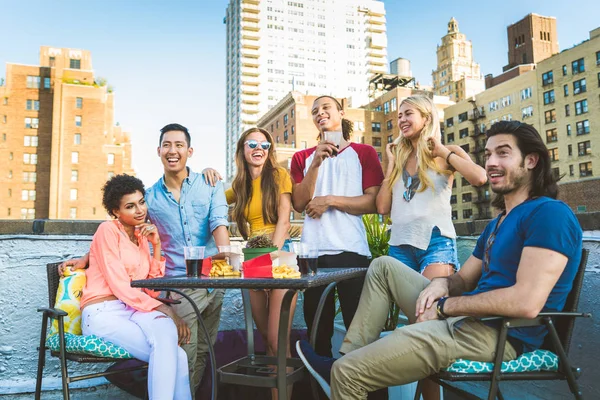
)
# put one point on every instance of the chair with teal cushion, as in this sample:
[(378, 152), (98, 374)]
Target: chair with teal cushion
[(76, 348), (551, 362)]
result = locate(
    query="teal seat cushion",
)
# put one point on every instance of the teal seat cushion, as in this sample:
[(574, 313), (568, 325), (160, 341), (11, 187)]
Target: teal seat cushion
[(90, 345), (538, 360)]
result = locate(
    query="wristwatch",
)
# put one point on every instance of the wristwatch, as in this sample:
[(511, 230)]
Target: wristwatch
[(440, 308)]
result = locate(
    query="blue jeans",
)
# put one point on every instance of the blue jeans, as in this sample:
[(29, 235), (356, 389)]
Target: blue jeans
[(441, 250)]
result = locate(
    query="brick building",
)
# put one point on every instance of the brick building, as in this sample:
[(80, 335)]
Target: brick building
[(58, 140)]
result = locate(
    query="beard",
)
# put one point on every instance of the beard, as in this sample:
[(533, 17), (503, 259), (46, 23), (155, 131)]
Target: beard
[(515, 180)]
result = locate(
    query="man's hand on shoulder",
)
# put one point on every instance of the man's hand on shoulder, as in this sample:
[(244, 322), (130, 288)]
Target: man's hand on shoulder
[(317, 206)]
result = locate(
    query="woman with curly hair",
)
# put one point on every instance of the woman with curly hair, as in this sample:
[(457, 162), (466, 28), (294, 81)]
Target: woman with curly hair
[(128, 317), (416, 193)]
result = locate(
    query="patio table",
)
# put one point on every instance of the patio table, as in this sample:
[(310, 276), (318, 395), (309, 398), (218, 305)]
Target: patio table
[(252, 370)]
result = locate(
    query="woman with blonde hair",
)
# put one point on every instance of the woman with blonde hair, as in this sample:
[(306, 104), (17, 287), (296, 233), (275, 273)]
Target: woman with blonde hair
[(261, 194), (416, 193)]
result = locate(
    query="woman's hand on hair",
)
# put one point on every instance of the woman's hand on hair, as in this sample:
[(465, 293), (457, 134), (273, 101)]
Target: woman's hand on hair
[(211, 176), (149, 231), (390, 151), (437, 148)]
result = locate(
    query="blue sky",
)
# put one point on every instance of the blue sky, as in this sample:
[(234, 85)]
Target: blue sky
[(166, 60)]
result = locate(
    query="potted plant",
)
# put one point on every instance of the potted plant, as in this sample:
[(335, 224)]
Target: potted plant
[(257, 246)]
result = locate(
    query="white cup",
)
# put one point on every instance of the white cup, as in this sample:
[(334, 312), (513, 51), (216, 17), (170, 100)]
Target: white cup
[(333, 137)]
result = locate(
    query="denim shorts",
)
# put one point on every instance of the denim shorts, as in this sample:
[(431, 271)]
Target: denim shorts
[(441, 250)]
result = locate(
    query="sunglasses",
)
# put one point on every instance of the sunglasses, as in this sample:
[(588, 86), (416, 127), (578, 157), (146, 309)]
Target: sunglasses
[(408, 193), (254, 143)]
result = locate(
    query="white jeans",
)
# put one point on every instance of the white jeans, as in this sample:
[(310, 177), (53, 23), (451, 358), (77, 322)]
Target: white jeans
[(148, 336)]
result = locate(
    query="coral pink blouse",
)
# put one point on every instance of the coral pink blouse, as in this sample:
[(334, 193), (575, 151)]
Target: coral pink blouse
[(114, 262)]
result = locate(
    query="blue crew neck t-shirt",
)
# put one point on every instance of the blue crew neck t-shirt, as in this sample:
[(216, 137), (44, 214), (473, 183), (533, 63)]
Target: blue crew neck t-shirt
[(541, 222)]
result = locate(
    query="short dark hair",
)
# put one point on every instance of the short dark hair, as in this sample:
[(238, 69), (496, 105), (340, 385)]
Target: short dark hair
[(117, 187), (175, 127), (543, 181)]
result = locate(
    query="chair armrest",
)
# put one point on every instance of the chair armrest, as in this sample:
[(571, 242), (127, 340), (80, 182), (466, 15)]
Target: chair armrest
[(168, 301), (539, 320), (53, 312)]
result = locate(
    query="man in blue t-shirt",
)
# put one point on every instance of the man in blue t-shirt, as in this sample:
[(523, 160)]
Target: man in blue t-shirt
[(523, 263)]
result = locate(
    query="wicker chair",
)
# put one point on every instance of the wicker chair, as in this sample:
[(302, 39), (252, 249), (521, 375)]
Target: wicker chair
[(560, 330), (63, 355)]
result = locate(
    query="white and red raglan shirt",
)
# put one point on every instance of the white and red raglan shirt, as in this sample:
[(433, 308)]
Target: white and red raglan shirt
[(355, 169)]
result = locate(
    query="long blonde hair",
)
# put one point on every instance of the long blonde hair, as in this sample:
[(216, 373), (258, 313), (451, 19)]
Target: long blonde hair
[(242, 184), (404, 146)]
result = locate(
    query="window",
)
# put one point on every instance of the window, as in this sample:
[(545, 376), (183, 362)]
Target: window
[(464, 182), (551, 135), (74, 157), (78, 120), (466, 197), (380, 156), (449, 122), (293, 113), (526, 93), (547, 78), (28, 195), (29, 158), (74, 64), (451, 138), (376, 142), (463, 133), (285, 136), (386, 107), (110, 174), (556, 173), (33, 82), (584, 148), (394, 104), (29, 177), (30, 141), (359, 125), (566, 90), (468, 213), (46, 83), (73, 194), (454, 215), (376, 126), (462, 117), (567, 110), (33, 105), (570, 150), (571, 170), (5, 101), (285, 120), (569, 130), (527, 112), (585, 169), (111, 157), (304, 144), (378, 108), (79, 102), (453, 199), (73, 213), (564, 69), (293, 130), (32, 123), (549, 97), (550, 116), (27, 213), (577, 66), (582, 127), (390, 138), (598, 58), (389, 125), (581, 107), (553, 153), (77, 138), (579, 86), (74, 175)]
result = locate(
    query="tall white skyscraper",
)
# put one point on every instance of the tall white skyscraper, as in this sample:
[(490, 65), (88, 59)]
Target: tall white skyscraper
[(312, 46)]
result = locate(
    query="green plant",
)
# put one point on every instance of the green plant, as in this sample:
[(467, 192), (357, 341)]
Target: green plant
[(378, 237)]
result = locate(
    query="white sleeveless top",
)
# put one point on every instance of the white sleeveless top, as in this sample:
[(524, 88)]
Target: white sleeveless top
[(413, 222)]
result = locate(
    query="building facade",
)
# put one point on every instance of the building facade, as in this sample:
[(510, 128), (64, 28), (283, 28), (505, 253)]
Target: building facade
[(531, 40), (561, 99), (457, 75), (275, 47), (58, 141)]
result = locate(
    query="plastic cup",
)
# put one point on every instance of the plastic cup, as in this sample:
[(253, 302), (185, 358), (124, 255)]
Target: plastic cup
[(194, 256), (307, 258)]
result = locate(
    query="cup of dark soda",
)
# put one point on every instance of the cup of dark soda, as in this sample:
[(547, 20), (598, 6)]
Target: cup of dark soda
[(194, 256)]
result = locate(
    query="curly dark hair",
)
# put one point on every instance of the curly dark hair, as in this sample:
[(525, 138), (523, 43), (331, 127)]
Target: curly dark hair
[(117, 187)]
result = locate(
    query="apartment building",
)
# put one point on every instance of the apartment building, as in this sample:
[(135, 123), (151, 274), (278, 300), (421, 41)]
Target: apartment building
[(58, 141), (313, 47), (457, 75), (560, 97)]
